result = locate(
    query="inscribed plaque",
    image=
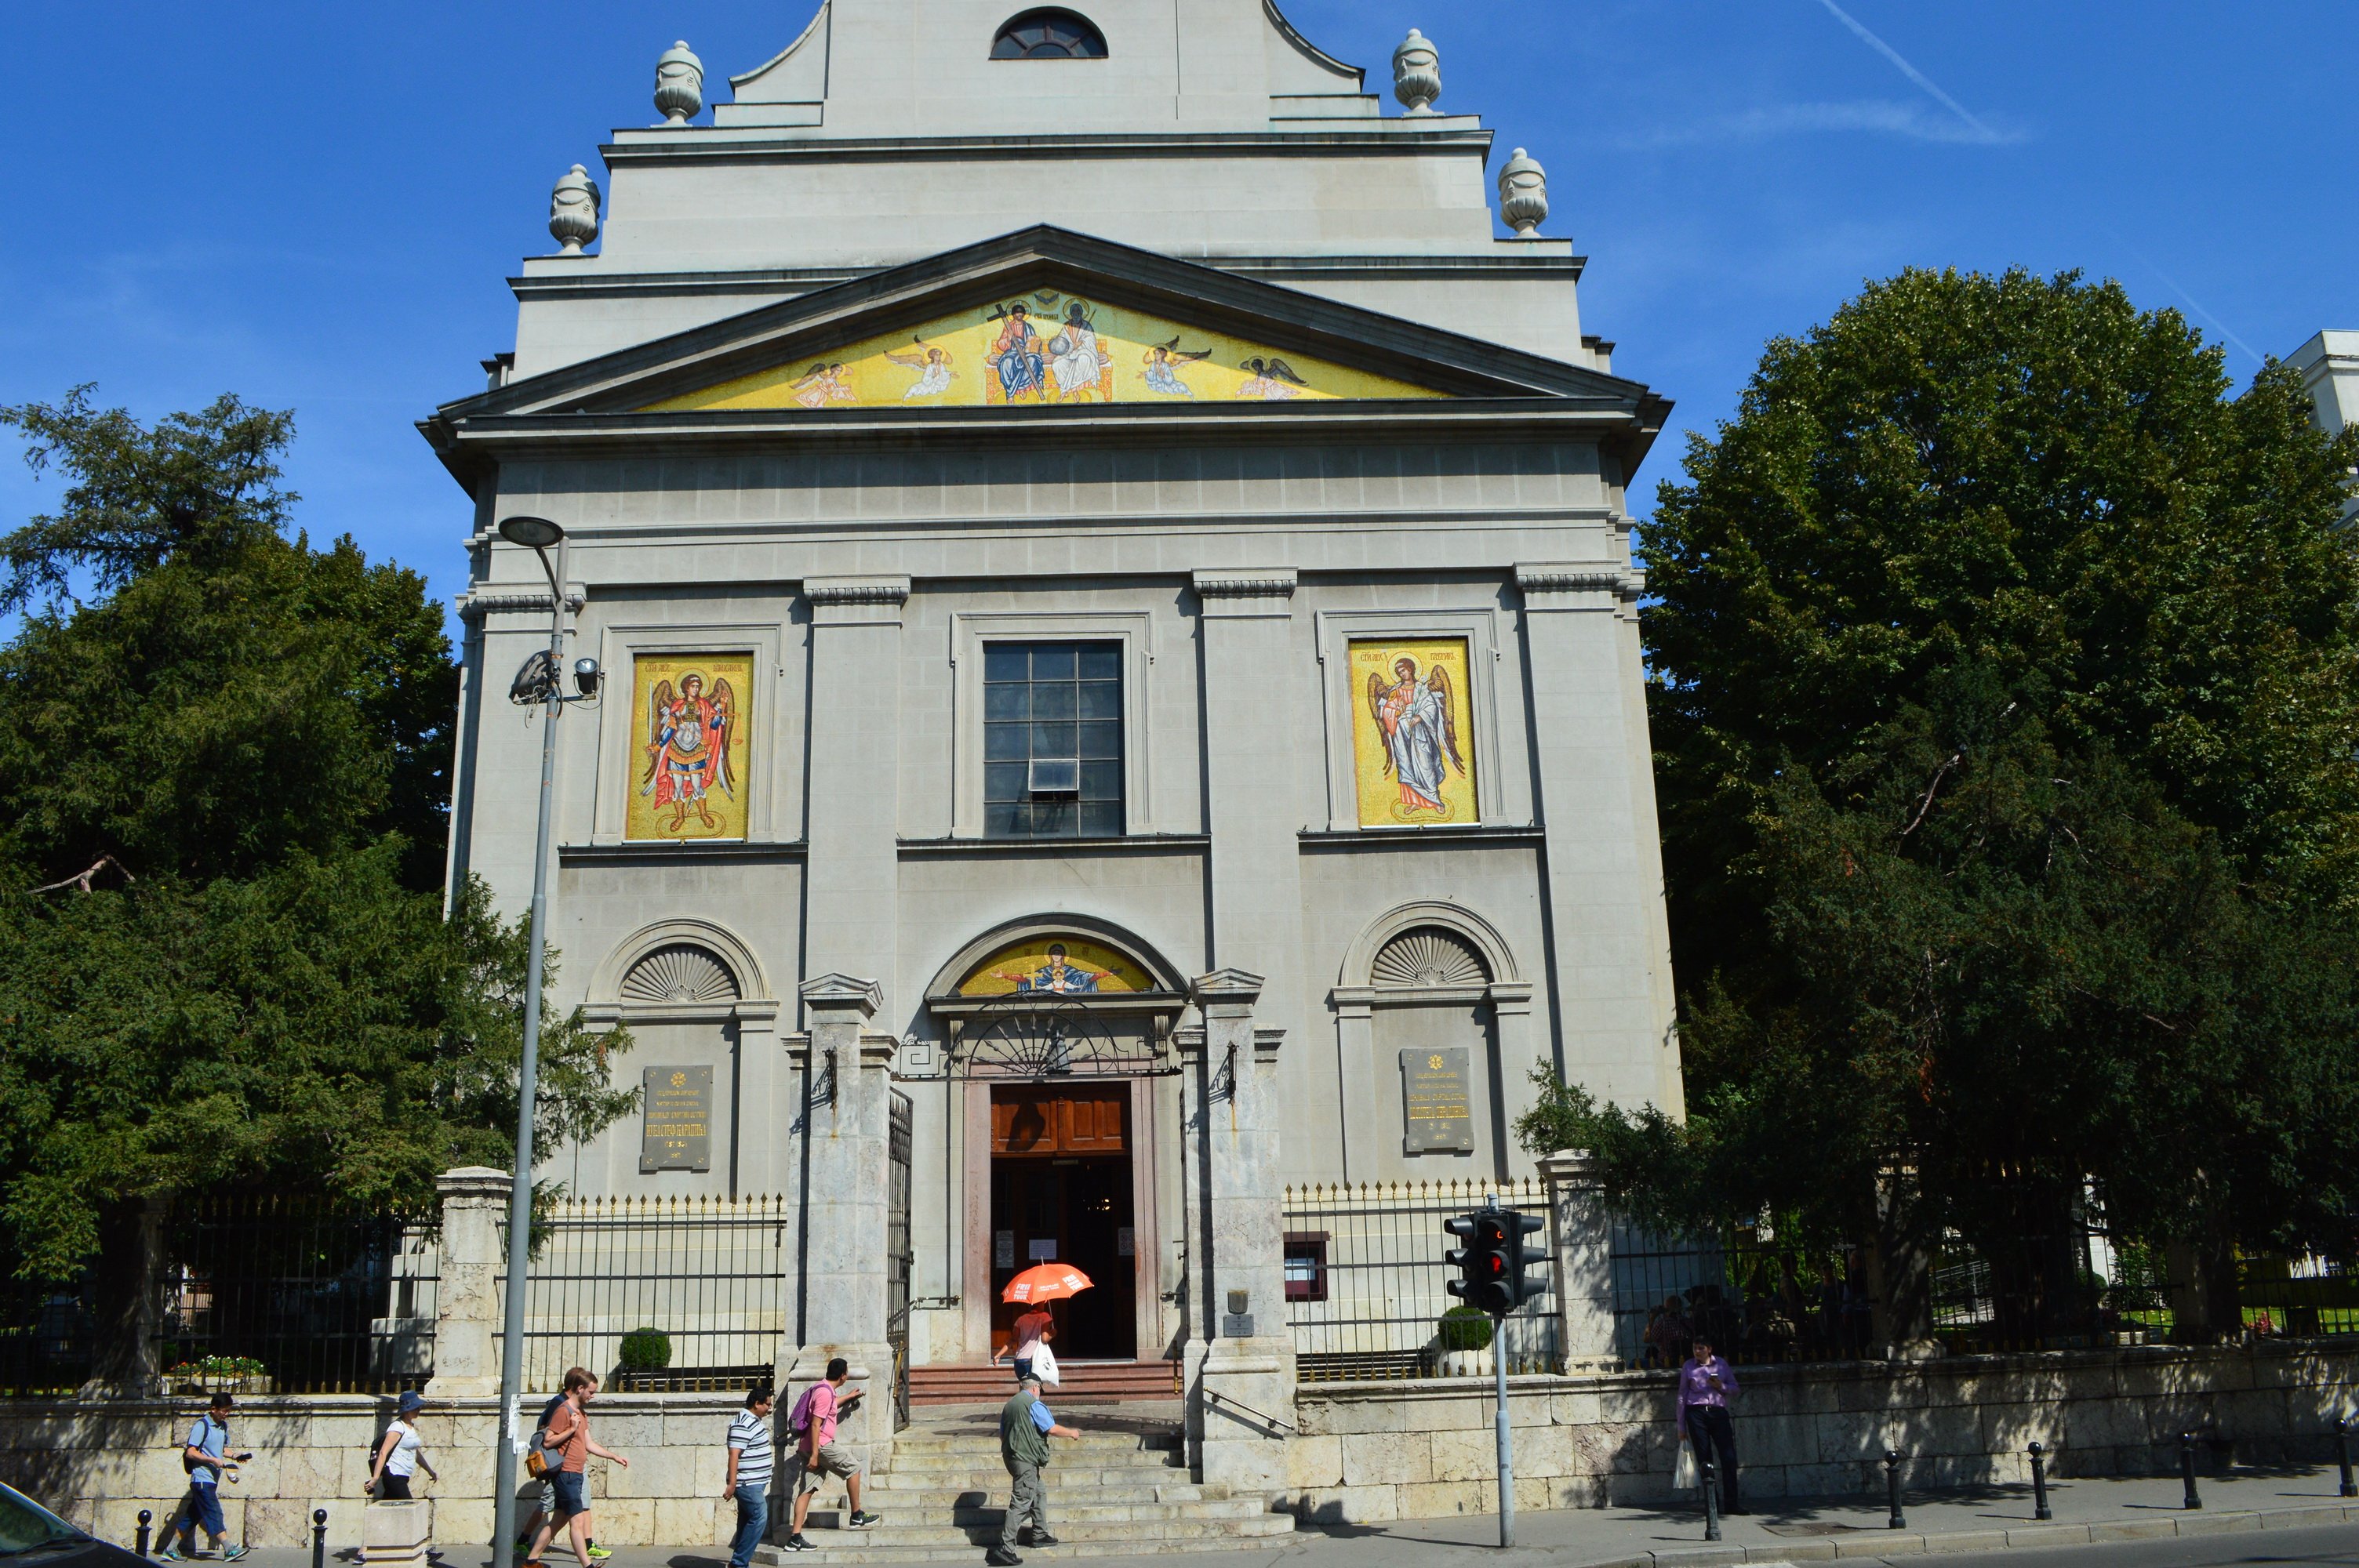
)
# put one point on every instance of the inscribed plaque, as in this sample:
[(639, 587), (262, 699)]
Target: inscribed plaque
[(1412, 732), (1435, 1102), (689, 746), (676, 1119)]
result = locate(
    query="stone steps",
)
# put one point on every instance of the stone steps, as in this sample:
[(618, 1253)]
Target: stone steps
[(980, 1511), (1115, 1493), (1078, 1381)]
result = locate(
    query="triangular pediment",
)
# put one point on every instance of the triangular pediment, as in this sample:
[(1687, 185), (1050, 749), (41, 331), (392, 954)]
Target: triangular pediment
[(1018, 323), (1047, 347)]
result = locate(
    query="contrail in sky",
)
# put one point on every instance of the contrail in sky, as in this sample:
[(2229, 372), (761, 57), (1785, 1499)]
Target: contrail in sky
[(1910, 72)]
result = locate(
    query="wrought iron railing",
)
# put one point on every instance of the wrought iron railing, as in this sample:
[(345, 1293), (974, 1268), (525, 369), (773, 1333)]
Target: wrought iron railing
[(709, 1274), (1367, 1288)]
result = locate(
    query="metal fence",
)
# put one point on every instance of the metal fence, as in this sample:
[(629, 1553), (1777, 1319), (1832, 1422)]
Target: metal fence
[(708, 1275), (1752, 1299), (1365, 1285), (297, 1295)]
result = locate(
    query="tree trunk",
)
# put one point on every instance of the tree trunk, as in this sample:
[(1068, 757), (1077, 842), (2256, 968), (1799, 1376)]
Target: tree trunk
[(1900, 1272), (2206, 1306), (123, 1293)]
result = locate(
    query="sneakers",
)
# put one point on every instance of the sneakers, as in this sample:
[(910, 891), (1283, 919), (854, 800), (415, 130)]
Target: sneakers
[(232, 1554), (597, 1553), (796, 1543), (861, 1520), (1038, 1538), (1000, 1557), (169, 1555)]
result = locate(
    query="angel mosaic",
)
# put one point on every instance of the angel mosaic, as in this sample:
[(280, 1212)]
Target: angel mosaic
[(933, 364), (1163, 362), (1413, 712), (689, 735), (1270, 380), (822, 384)]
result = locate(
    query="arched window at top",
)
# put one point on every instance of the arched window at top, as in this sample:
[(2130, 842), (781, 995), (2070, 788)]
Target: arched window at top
[(1049, 35)]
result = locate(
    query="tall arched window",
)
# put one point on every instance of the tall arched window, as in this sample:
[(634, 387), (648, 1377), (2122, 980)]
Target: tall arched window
[(1049, 34)]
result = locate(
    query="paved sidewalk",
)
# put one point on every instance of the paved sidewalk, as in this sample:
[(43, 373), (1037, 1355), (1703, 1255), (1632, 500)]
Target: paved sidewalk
[(1852, 1529)]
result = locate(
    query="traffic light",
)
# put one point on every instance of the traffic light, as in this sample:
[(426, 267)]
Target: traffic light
[(1527, 1267), (1483, 1264)]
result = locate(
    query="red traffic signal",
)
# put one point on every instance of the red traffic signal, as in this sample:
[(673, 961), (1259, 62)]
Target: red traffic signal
[(1486, 1263)]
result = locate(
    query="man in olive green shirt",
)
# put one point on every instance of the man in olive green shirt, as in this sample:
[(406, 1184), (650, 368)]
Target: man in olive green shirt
[(1026, 1425)]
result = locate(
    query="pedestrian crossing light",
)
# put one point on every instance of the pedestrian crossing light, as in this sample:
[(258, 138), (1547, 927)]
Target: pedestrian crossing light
[(1484, 1263)]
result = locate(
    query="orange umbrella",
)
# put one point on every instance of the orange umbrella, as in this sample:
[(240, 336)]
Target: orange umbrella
[(1046, 1282)]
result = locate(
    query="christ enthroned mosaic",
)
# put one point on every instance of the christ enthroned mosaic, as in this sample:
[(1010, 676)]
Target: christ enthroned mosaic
[(1045, 349)]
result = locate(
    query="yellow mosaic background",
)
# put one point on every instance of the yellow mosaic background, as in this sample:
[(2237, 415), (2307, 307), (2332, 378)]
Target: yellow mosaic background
[(725, 807), (1383, 802), (1007, 970), (954, 363)]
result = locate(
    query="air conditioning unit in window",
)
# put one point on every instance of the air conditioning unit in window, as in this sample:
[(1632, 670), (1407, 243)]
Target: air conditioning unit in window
[(1056, 775)]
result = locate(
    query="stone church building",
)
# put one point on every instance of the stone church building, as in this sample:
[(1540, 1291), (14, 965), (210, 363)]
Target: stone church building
[(1122, 693)]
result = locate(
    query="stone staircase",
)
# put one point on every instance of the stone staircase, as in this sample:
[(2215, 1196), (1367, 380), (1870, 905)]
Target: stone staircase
[(1122, 1490)]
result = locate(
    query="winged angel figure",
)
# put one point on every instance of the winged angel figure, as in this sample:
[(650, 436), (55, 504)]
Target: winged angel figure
[(933, 364), (1163, 362), (1414, 714), (688, 748)]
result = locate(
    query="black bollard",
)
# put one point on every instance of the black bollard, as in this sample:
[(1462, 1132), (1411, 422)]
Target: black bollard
[(147, 1516), (2342, 1454), (2187, 1469), (1710, 1494), (2039, 1484), (1892, 1489), (318, 1538)]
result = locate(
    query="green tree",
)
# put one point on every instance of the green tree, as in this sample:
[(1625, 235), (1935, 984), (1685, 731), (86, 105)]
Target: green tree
[(2005, 728), (224, 959)]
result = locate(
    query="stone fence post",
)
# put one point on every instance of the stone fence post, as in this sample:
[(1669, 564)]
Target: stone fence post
[(1583, 1239), (467, 1300)]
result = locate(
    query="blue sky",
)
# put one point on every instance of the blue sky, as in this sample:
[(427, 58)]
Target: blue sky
[(316, 206)]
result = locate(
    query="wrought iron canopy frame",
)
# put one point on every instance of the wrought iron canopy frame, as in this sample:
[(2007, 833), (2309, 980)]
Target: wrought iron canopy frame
[(1026, 1036)]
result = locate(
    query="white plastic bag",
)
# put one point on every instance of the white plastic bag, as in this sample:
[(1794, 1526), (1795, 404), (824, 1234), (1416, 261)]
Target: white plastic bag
[(1044, 1365), (1683, 1473)]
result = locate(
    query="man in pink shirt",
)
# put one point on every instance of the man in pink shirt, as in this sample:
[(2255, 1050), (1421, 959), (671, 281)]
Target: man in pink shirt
[(816, 1455), (1705, 1384)]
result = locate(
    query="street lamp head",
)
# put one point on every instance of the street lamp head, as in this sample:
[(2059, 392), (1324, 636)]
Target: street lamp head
[(533, 533), (585, 675)]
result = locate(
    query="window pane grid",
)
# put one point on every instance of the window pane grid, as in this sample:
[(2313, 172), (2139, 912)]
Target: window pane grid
[(1058, 704)]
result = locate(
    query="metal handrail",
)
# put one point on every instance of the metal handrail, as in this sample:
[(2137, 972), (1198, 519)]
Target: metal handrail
[(1215, 1397)]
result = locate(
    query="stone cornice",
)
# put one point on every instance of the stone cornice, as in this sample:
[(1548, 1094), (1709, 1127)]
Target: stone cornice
[(475, 605), (1274, 582), (857, 590), (1542, 579)]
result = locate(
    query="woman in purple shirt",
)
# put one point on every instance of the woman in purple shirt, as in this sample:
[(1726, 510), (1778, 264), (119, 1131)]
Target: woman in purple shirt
[(1705, 1384)]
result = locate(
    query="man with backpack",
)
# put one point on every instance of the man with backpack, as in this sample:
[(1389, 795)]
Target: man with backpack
[(816, 1454), (203, 1456), (544, 1485), (567, 1439)]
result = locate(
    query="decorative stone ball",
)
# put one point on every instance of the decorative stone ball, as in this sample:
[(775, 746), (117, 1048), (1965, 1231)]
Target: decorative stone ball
[(1417, 74), (573, 211), (1523, 194), (679, 84)]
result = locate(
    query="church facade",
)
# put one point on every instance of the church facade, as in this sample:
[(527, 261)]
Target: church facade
[(1122, 680)]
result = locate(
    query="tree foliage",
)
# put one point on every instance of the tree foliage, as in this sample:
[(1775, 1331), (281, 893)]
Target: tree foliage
[(2005, 725), (248, 738)]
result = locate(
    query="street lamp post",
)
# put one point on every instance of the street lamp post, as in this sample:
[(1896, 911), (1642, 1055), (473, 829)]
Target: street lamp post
[(535, 683)]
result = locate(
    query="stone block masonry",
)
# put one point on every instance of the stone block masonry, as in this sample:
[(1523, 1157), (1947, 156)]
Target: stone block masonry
[(1371, 1451), (98, 1464)]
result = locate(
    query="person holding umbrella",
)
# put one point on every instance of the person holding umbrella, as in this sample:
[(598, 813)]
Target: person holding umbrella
[(1027, 1342)]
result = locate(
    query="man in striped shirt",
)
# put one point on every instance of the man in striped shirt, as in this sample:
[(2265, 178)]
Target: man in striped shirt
[(751, 1455)]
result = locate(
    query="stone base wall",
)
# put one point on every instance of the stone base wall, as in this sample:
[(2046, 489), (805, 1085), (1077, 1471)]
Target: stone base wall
[(1371, 1451), (100, 1464)]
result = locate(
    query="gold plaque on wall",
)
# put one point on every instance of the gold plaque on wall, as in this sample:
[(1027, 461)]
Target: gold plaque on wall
[(1412, 735), (690, 742)]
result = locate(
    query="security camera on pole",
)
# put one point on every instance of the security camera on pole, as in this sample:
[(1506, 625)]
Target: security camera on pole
[(536, 683), (1496, 1274)]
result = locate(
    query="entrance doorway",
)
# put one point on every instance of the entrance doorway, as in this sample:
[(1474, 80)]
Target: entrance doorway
[(1061, 1192)]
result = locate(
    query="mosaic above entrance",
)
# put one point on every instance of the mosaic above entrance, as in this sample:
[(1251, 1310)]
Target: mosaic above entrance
[(1040, 349), (1054, 966)]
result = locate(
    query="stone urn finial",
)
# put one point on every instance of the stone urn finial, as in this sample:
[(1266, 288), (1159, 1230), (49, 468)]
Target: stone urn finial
[(679, 84), (1523, 195), (1417, 74), (573, 211)]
